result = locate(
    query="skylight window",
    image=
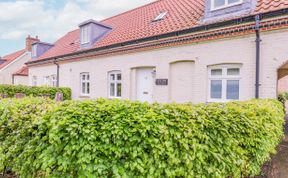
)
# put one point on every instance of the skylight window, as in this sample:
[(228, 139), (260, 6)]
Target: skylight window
[(160, 16)]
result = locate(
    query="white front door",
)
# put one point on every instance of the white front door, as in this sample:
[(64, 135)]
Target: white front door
[(145, 84)]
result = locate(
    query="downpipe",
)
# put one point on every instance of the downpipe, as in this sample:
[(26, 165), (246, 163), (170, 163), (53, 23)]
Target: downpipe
[(57, 75), (258, 42)]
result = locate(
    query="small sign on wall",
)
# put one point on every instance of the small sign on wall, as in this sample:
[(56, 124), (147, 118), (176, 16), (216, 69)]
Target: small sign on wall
[(161, 81)]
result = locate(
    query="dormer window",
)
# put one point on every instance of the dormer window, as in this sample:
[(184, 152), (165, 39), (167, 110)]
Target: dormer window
[(220, 4), (91, 32), (34, 50), (85, 37), (40, 48)]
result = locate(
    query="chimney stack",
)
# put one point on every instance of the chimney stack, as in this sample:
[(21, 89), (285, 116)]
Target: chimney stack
[(30, 41)]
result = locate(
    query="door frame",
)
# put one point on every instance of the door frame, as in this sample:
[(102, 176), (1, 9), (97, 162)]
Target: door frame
[(134, 80)]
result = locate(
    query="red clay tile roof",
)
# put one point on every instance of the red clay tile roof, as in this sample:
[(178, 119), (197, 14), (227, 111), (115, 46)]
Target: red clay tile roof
[(136, 24), (270, 5), (23, 71), (11, 57)]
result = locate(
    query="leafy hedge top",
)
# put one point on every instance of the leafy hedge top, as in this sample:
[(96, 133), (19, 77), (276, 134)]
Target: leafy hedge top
[(103, 138), (11, 90)]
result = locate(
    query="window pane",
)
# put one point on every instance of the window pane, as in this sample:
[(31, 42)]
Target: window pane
[(233, 71), (233, 1), (83, 88), (219, 3), (112, 76), (216, 72), (87, 77), (118, 76), (34, 81), (118, 89), (233, 89), (112, 89), (216, 89), (34, 51), (88, 88), (83, 77), (85, 34)]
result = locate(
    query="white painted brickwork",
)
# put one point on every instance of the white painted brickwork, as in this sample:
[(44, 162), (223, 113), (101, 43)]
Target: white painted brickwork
[(274, 52)]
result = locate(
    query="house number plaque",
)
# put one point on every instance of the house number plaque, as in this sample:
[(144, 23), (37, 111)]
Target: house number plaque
[(161, 81)]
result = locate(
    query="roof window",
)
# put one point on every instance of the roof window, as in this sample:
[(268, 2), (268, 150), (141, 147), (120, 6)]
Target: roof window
[(160, 16)]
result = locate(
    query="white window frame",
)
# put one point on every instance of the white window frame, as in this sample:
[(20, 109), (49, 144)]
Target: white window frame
[(86, 82), (115, 82), (85, 34), (54, 80), (224, 78), (213, 8), (46, 80), (34, 80), (34, 50), (160, 16)]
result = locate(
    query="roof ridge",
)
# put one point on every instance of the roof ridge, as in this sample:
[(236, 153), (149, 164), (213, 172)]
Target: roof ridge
[(122, 13), (135, 25), (119, 14)]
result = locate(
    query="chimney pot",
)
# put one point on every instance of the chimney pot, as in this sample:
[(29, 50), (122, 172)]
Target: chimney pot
[(30, 41)]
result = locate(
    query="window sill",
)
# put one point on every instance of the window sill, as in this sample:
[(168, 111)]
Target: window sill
[(225, 6), (111, 98), (220, 100), (84, 96)]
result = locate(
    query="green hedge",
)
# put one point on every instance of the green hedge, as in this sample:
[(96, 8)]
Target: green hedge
[(104, 138), (11, 90), (283, 97)]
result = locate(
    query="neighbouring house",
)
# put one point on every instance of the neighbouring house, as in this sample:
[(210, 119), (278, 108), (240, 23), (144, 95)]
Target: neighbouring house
[(11, 63), (21, 76), (173, 51)]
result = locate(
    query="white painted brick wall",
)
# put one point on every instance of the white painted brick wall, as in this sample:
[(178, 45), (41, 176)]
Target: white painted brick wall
[(274, 52)]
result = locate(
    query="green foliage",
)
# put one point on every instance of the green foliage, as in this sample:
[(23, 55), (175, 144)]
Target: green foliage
[(19, 121), (283, 97), (11, 90), (113, 138)]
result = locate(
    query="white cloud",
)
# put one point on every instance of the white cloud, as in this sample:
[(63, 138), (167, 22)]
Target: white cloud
[(37, 17), (13, 35)]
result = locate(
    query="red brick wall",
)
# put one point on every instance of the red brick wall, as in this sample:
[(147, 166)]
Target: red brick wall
[(30, 41)]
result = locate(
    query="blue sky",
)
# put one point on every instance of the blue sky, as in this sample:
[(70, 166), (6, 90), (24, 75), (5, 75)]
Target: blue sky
[(51, 19)]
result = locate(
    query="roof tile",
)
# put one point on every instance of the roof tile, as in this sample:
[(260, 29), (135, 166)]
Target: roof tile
[(137, 23), (11, 57), (23, 71)]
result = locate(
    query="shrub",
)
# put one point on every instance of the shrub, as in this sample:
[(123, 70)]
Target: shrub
[(19, 121), (283, 97), (104, 138), (11, 90)]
